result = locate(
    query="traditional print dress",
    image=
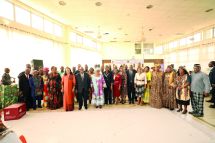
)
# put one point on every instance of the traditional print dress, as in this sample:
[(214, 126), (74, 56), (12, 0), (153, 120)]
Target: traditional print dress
[(182, 95), (123, 91), (45, 79), (98, 83), (140, 80), (169, 97), (68, 82), (55, 95), (116, 84), (147, 90), (156, 91)]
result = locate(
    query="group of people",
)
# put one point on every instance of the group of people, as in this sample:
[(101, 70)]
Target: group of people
[(98, 86)]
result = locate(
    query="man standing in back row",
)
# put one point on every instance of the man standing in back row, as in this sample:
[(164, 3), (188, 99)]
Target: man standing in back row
[(200, 87), (130, 84), (83, 83), (212, 81)]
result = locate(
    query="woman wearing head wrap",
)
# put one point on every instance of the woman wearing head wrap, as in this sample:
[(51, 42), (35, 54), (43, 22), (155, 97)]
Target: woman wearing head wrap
[(45, 79), (168, 97), (156, 91), (98, 83), (182, 84)]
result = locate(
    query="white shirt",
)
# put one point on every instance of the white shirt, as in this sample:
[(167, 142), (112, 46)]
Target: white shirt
[(140, 79)]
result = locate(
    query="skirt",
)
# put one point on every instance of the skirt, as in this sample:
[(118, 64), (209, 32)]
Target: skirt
[(97, 100), (139, 90)]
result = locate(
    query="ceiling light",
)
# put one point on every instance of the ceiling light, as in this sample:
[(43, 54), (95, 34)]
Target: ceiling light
[(179, 34), (126, 34), (106, 33), (150, 29), (209, 10), (149, 6), (62, 3), (98, 3)]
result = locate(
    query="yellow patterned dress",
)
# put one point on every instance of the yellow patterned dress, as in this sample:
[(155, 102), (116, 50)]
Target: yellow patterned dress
[(147, 90)]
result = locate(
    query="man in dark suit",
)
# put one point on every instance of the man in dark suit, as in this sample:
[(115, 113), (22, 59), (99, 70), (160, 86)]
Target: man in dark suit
[(212, 82), (108, 77), (82, 87), (22, 73), (25, 89), (130, 84)]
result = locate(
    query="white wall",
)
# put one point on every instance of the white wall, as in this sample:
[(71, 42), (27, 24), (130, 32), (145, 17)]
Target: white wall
[(84, 56)]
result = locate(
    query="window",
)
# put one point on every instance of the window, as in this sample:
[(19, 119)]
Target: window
[(37, 22), (48, 26), (208, 34), (158, 50), (73, 37), (6, 10), (197, 37), (183, 42), (190, 40), (79, 39), (58, 30), (22, 16), (214, 32)]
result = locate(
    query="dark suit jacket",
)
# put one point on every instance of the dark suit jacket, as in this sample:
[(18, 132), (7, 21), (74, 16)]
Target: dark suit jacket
[(129, 79), (24, 85), (212, 76), (108, 79), (82, 84)]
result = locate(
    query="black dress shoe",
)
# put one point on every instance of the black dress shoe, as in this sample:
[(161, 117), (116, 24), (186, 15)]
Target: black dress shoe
[(79, 108), (192, 112), (179, 110), (86, 108), (211, 101), (40, 107), (97, 106), (34, 108), (212, 106), (198, 115), (129, 102)]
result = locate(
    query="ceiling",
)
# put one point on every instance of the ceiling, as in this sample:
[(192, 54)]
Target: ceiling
[(123, 20)]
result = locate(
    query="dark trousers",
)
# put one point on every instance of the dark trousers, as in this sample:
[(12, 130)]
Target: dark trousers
[(27, 99), (38, 98), (82, 97), (108, 96), (213, 95), (131, 93)]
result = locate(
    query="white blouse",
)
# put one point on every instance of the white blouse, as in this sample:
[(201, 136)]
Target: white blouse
[(140, 79)]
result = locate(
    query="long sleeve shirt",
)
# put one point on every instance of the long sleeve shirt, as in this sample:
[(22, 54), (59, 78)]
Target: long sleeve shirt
[(140, 79), (200, 83)]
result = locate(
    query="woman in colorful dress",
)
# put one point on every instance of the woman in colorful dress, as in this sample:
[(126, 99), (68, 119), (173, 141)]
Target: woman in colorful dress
[(98, 84), (116, 85), (54, 89), (123, 91), (182, 84), (156, 91), (140, 82), (168, 98), (147, 90), (45, 78), (68, 88)]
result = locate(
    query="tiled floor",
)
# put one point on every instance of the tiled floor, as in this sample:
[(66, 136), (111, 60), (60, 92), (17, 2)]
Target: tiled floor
[(209, 114), (114, 124)]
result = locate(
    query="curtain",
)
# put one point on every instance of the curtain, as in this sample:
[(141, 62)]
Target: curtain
[(19, 48)]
